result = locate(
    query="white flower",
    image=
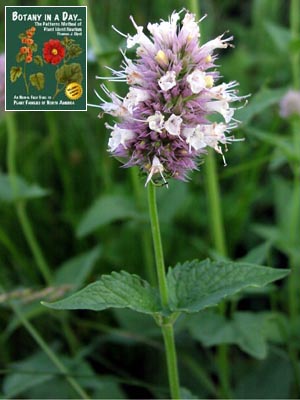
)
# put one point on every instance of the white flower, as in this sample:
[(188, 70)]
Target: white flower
[(156, 121), (221, 107), (195, 137), (133, 76), (224, 91), (139, 38), (190, 27), (217, 43), (167, 81), (173, 124), (119, 136), (133, 97), (215, 133), (165, 30), (197, 81), (156, 168)]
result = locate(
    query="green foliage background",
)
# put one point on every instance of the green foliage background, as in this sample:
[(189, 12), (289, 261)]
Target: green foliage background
[(89, 217)]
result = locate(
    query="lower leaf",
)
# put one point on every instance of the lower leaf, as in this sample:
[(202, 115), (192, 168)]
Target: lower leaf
[(119, 290)]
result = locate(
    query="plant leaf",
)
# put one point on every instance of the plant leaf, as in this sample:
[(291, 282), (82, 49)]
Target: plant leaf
[(258, 254), (119, 290), (20, 57), (74, 50), (280, 36), (23, 189), (69, 73), (245, 329), (105, 210), (38, 60), (194, 286), (15, 73), (37, 80)]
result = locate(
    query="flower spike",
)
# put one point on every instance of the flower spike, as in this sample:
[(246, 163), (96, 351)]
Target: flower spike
[(165, 118)]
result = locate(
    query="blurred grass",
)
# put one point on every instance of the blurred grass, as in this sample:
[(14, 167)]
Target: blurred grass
[(65, 153)]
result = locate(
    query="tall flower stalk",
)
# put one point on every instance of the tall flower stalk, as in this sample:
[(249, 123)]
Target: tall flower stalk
[(165, 126), (165, 323)]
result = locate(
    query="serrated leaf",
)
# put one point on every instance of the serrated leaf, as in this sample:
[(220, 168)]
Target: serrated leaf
[(38, 60), (15, 73), (76, 270), (69, 73), (22, 190), (105, 210), (194, 286), (119, 290), (37, 80)]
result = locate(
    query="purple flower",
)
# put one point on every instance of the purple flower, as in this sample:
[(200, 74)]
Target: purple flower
[(165, 119), (290, 103), (2, 81)]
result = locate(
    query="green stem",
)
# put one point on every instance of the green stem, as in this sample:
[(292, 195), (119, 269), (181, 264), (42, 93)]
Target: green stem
[(47, 350), (25, 79), (169, 341), (158, 249), (20, 204), (167, 327), (194, 7), (145, 235)]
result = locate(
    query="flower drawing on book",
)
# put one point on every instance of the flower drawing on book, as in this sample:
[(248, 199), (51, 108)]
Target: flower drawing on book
[(25, 56), (53, 51)]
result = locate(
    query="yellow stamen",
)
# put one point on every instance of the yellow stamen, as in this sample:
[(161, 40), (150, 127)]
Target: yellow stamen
[(208, 59), (54, 52), (161, 57), (209, 81)]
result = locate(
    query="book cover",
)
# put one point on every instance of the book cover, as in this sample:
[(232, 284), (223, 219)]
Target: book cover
[(45, 49)]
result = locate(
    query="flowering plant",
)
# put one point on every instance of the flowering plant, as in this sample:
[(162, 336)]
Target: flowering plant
[(165, 124)]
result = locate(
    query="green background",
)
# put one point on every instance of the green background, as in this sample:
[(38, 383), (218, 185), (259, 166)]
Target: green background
[(13, 43)]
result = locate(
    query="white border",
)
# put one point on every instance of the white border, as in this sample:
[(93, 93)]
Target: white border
[(66, 6)]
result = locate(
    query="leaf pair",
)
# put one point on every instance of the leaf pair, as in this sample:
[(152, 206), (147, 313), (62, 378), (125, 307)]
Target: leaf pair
[(193, 286)]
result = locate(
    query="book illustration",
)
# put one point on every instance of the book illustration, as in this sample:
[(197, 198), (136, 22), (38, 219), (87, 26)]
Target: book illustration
[(45, 58), (54, 52)]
